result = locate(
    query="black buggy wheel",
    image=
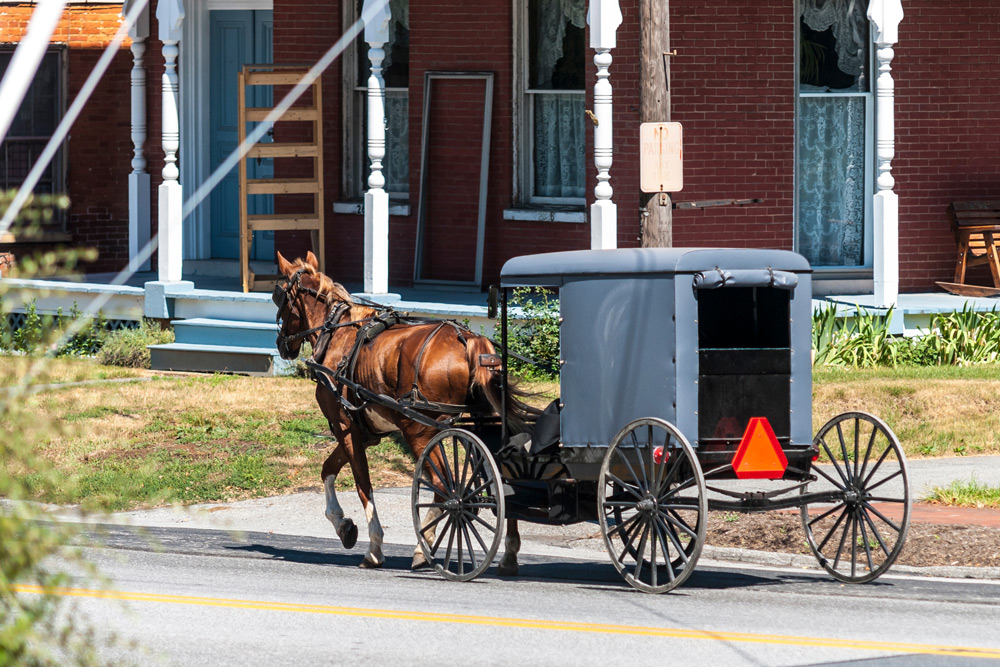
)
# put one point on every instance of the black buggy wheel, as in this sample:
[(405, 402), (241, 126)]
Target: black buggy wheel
[(653, 506), (859, 536), (458, 505)]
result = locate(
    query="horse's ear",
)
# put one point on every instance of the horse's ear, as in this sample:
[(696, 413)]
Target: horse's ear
[(311, 260), (284, 266)]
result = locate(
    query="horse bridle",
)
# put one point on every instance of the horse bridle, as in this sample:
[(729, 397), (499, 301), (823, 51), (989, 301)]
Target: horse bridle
[(282, 295)]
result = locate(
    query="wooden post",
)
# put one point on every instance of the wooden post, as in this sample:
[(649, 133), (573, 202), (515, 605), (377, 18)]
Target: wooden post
[(656, 214), (604, 16)]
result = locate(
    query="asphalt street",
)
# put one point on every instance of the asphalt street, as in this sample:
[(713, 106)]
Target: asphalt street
[(205, 597), (266, 582)]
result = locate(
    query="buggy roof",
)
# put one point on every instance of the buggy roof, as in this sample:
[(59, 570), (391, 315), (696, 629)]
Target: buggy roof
[(558, 268)]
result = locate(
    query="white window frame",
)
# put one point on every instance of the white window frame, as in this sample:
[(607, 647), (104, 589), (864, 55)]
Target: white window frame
[(524, 118), (355, 151), (868, 252)]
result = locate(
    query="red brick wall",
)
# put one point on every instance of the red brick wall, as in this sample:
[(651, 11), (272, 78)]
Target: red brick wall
[(733, 88), (99, 146), (947, 129)]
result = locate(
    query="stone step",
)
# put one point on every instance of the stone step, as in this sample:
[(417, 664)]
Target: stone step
[(218, 359), (212, 331)]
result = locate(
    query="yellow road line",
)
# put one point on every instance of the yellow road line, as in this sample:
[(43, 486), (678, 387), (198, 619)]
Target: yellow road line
[(526, 623)]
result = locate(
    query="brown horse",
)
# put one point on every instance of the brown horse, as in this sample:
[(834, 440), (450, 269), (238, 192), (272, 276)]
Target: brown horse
[(442, 362)]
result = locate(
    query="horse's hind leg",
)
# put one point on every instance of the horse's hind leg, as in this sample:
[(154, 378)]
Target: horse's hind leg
[(345, 528), (512, 544)]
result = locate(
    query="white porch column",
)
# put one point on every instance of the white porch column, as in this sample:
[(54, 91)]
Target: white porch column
[(138, 181), (376, 16), (885, 16), (170, 14), (604, 17)]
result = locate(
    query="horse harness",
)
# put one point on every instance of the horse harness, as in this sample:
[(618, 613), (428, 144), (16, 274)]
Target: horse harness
[(354, 397)]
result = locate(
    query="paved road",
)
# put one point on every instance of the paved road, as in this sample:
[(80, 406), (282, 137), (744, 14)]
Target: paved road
[(203, 597)]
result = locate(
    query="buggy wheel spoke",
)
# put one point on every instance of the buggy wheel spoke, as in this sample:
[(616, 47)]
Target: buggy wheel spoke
[(433, 522), (675, 539), (833, 530), (628, 548), (857, 436), (666, 550), (631, 470), (626, 486), (824, 515), (859, 519), (451, 543), (468, 544), (687, 484), (868, 451), (679, 522), (641, 552), (875, 468), (874, 510), (479, 489), (488, 527), (823, 474), (624, 525), (883, 481), (843, 538), (854, 546), (843, 450), (472, 527), (441, 535), (653, 567), (833, 461), (875, 533), (440, 475), (427, 485)]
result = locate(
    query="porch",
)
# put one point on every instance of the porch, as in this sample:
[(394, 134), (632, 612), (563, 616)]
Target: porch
[(219, 328)]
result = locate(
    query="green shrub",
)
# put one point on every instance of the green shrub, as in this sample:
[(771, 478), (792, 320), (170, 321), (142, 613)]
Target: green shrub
[(959, 338), (127, 347), (535, 333)]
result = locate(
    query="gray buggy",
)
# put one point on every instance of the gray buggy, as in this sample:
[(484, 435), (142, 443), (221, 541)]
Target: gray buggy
[(685, 386)]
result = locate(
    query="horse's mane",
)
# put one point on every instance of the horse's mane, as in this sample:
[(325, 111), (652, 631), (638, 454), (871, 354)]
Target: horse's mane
[(326, 287)]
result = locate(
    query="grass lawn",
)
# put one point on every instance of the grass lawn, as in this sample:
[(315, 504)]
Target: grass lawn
[(220, 437), (57, 371)]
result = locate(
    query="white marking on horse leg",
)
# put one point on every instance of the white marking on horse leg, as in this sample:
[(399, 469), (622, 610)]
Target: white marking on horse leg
[(419, 560), (512, 544), (374, 558), (333, 510)]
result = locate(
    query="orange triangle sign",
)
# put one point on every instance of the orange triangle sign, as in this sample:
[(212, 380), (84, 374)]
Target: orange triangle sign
[(759, 455)]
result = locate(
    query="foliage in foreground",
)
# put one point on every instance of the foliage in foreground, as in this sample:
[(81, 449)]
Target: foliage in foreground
[(41, 332), (128, 347), (37, 627), (959, 338)]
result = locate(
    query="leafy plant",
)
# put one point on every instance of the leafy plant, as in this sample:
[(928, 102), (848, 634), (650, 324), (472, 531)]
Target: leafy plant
[(128, 347), (36, 628), (534, 333)]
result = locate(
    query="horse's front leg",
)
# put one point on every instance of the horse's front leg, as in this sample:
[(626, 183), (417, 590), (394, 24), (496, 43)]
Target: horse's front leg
[(363, 484), (345, 528), (511, 544)]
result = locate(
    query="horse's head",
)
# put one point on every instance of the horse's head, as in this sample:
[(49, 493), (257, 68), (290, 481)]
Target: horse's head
[(303, 301)]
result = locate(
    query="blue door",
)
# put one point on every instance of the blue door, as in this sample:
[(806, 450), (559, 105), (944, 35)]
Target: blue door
[(237, 37)]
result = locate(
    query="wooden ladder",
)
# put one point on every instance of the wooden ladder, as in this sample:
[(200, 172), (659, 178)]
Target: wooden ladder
[(278, 75)]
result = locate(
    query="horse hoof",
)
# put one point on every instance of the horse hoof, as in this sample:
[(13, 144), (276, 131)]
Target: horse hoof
[(419, 562), (505, 569), (369, 563), (348, 534)]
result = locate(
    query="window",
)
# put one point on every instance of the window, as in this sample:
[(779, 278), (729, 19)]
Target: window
[(33, 126), (395, 71), (835, 114), (552, 169)]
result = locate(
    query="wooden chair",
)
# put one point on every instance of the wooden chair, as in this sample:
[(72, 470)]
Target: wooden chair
[(976, 226)]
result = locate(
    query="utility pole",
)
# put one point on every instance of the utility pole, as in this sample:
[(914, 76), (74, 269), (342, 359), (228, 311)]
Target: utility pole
[(656, 223)]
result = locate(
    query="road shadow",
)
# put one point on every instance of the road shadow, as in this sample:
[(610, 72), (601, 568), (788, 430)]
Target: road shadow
[(311, 557)]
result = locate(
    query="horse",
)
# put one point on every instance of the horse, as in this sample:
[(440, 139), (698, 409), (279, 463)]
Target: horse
[(442, 362)]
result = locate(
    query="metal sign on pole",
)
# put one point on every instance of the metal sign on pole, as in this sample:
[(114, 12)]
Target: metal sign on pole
[(661, 157)]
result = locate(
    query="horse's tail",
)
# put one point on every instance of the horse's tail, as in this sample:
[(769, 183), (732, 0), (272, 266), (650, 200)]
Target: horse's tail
[(487, 380)]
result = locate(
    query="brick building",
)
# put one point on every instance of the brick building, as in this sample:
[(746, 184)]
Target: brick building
[(777, 99)]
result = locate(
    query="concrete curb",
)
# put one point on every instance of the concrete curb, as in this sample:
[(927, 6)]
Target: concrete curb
[(802, 562)]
